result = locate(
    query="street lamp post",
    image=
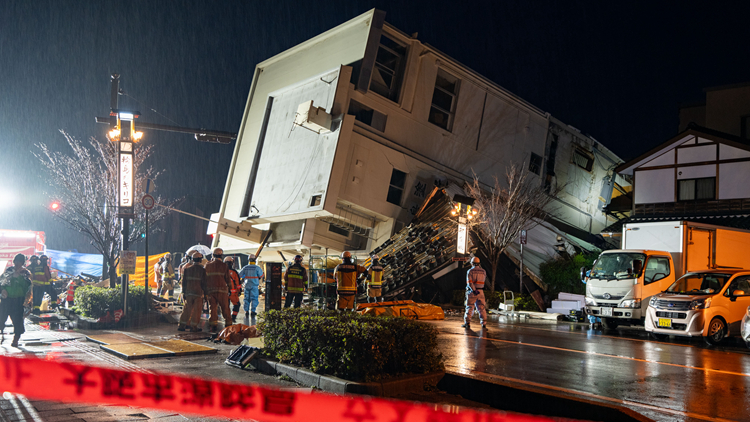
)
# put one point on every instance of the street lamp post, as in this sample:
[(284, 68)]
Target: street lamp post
[(123, 132), (464, 212)]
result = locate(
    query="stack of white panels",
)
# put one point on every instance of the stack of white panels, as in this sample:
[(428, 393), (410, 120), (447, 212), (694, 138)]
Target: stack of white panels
[(565, 303)]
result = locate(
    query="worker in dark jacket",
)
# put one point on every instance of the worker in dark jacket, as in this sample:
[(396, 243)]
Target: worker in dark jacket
[(15, 293), (217, 292), (40, 280), (296, 282), (194, 283)]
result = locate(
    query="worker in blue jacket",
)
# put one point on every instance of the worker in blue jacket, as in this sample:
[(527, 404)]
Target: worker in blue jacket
[(251, 275)]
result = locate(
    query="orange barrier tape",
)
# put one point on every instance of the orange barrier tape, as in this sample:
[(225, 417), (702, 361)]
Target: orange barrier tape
[(68, 382)]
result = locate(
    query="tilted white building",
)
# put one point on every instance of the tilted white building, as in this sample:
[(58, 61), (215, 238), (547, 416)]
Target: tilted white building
[(344, 135)]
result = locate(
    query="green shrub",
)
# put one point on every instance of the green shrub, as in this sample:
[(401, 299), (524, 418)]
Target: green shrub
[(564, 274), (349, 345), (94, 302), (525, 303)]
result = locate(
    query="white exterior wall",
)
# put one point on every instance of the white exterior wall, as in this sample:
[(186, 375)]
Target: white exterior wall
[(654, 186), (659, 185), (342, 45), (351, 167)]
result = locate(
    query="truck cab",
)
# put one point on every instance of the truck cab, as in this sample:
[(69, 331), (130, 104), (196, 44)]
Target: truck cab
[(621, 282)]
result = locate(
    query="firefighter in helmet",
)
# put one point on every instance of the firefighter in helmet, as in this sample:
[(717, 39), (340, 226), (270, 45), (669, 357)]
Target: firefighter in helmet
[(219, 284), (346, 275), (296, 282), (374, 280), (475, 294), (235, 290), (193, 286)]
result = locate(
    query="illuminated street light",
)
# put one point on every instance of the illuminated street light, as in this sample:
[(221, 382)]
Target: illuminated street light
[(54, 206)]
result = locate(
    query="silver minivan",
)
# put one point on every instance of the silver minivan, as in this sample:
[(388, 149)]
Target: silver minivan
[(709, 304)]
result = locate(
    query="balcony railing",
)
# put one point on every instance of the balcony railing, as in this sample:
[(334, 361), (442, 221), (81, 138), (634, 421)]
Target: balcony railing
[(722, 207)]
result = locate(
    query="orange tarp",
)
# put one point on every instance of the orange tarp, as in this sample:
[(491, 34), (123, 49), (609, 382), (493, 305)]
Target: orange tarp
[(403, 308), (137, 278)]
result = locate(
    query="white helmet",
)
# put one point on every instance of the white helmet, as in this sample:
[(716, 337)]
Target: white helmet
[(251, 258)]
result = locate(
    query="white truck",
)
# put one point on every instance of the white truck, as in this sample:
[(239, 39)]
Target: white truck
[(654, 255)]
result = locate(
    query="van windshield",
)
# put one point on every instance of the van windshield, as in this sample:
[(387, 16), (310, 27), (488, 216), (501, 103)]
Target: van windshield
[(699, 283), (614, 266)]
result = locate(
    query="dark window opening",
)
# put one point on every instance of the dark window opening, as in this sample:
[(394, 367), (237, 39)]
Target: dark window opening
[(551, 157), (745, 128), (696, 189), (443, 108), (338, 230), (583, 160), (315, 201), (396, 188), (389, 69), (535, 164), (366, 115)]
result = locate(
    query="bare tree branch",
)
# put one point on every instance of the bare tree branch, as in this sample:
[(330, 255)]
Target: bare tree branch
[(85, 184), (505, 210)]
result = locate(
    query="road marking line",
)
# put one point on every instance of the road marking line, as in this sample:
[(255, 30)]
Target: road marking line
[(596, 396), (719, 371)]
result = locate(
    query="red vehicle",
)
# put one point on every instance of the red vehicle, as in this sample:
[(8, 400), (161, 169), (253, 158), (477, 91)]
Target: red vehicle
[(13, 242)]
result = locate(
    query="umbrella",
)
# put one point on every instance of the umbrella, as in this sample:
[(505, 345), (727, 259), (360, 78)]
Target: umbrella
[(204, 250)]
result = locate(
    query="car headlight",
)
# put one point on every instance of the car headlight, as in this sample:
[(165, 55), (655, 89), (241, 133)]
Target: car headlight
[(652, 301), (700, 304), (590, 301), (631, 303)]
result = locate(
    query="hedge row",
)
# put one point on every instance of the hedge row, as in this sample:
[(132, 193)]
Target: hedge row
[(349, 345), (94, 302)]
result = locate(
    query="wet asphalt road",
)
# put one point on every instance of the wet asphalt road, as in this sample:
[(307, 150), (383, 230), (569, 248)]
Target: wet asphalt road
[(676, 380)]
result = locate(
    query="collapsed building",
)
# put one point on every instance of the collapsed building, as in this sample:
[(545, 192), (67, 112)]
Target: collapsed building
[(345, 136)]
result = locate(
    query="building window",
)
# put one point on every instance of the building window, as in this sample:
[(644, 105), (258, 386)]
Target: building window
[(366, 115), (396, 188), (696, 189), (389, 69), (583, 159), (535, 164), (443, 108)]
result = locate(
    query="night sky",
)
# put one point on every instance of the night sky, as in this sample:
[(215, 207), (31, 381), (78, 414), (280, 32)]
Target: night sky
[(617, 71)]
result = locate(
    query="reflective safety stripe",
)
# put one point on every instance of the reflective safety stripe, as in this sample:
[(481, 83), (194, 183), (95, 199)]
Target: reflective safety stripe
[(299, 276), (292, 289), (40, 283)]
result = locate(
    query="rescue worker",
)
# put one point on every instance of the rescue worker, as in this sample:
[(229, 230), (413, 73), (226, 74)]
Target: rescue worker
[(296, 282), (40, 281), (217, 290), (374, 280), (346, 275), (157, 275), (44, 262), (194, 284), (475, 294), (75, 283), (15, 291), (167, 278), (234, 291), (251, 275)]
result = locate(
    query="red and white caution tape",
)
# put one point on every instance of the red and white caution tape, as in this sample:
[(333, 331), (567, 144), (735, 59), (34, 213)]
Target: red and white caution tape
[(70, 382)]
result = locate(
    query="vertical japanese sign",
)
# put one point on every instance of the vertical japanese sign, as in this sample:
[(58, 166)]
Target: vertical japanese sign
[(126, 171), (461, 239)]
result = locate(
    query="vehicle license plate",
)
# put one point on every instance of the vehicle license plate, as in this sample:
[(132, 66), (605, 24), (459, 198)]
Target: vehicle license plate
[(606, 311), (665, 323)]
